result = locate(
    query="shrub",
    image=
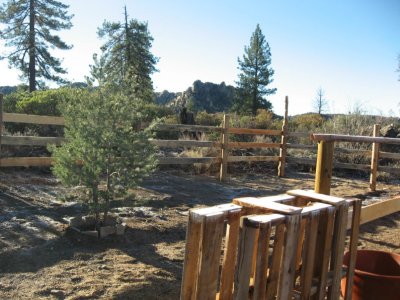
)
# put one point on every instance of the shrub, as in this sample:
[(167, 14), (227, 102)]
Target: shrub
[(103, 151)]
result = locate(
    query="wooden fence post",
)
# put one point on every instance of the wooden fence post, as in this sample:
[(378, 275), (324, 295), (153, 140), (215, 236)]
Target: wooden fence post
[(282, 151), (323, 171), (224, 149), (374, 159)]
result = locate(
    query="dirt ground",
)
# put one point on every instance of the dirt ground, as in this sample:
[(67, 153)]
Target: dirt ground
[(41, 259)]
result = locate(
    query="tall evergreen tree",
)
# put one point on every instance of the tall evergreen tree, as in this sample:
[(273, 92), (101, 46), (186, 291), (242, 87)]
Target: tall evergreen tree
[(29, 31), (126, 57), (256, 74)]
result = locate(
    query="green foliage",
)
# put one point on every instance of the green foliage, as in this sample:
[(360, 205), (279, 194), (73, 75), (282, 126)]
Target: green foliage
[(103, 152), (45, 103), (307, 122), (204, 118), (126, 58), (256, 75), (29, 32)]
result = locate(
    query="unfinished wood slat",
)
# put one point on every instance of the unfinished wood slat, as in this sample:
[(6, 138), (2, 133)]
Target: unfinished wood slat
[(311, 232), (245, 145), (323, 253), (30, 140), (262, 261), (355, 229), (252, 158), (191, 260), (339, 237), (26, 161), (229, 261), (254, 131), (32, 119), (335, 201), (288, 269), (184, 143), (264, 205), (380, 209), (282, 198), (210, 256), (276, 260), (244, 261)]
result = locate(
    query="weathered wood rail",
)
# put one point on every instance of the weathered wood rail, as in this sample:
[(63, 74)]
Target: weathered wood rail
[(223, 146)]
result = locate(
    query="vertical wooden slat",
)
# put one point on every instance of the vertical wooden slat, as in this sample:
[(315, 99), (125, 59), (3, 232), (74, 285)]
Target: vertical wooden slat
[(244, 261), (262, 261), (323, 170), (282, 151), (191, 261), (288, 268), (339, 238), (224, 149), (323, 253), (355, 228), (228, 264), (274, 271), (374, 159), (210, 256), (311, 232)]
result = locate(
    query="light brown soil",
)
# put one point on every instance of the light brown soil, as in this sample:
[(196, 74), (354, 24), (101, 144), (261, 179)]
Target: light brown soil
[(41, 259)]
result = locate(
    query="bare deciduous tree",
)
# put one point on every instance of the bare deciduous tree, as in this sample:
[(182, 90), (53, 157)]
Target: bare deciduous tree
[(320, 104)]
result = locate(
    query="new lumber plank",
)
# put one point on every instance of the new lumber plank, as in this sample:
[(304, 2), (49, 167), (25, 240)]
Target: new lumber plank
[(267, 206), (379, 210), (244, 260), (332, 200), (213, 228)]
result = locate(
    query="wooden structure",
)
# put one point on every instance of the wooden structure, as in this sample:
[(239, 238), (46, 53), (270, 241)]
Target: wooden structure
[(280, 247), (222, 147)]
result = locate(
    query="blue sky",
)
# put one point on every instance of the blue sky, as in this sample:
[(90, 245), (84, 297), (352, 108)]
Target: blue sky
[(348, 48)]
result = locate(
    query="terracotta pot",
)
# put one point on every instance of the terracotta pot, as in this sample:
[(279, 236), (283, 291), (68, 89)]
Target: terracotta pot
[(376, 275)]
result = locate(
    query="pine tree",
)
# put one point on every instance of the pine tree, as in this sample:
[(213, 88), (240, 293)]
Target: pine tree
[(256, 74), (126, 57), (103, 151), (29, 31)]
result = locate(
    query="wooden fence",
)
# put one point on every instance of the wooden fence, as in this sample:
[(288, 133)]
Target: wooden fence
[(222, 147)]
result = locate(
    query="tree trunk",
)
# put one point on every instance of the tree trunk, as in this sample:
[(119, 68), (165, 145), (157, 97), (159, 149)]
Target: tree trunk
[(95, 198), (32, 47)]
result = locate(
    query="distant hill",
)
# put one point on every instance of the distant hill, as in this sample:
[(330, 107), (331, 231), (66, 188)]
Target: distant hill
[(201, 96)]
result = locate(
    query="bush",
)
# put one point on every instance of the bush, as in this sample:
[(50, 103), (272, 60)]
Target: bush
[(103, 152)]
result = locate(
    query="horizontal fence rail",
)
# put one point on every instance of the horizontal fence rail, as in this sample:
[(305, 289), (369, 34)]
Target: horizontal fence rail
[(223, 149)]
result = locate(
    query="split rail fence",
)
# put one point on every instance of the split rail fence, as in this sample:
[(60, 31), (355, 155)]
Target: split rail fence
[(223, 146)]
